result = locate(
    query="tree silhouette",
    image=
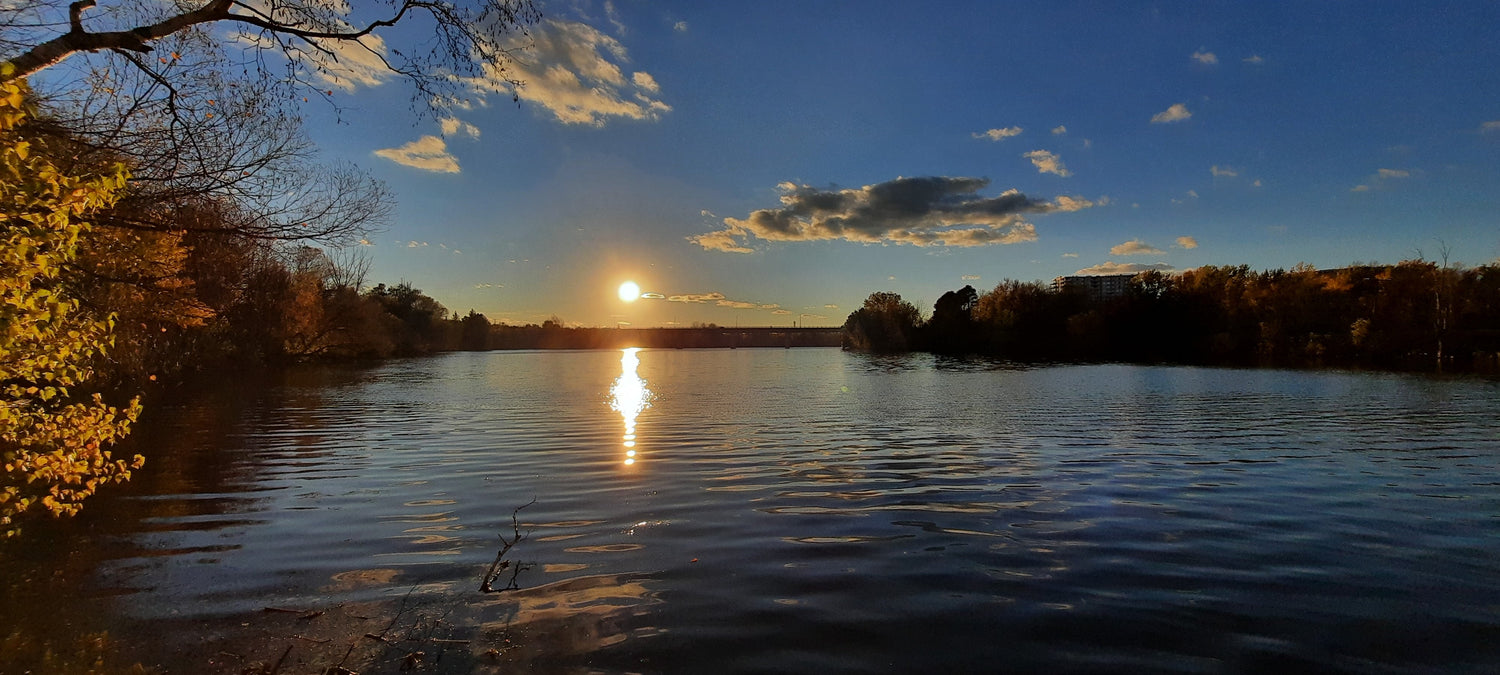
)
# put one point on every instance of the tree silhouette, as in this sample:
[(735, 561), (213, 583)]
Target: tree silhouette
[(1415, 314), (468, 39), (474, 332), (885, 323), (951, 328)]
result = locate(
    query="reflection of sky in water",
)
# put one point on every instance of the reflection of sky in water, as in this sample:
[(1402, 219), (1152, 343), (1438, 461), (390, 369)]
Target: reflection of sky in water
[(629, 396)]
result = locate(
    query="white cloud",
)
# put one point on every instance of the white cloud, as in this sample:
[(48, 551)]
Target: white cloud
[(1188, 243), (1069, 204), (970, 277), (1177, 112), (452, 126), (696, 298), (1135, 247), (1123, 268), (1380, 178), (726, 240), (489, 285), (1070, 255), (359, 63), (614, 17), (740, 304), (1487, 127), (1059, 130), (644, 80), (1046, 162), (1187, 196), (1253, 59), (680, 26), (920, 211), (781, 311), (830, 306), (416, 244), (998, 134), (1205, 58), (574, 72), (1222, 171), (341, 64), (428, 153)]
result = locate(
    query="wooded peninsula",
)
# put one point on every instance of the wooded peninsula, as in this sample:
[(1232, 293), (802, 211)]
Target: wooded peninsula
[(1414, 315)]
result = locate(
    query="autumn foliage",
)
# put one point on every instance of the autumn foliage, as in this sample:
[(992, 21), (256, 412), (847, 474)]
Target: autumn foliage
[(1413, 315), (54, 439)]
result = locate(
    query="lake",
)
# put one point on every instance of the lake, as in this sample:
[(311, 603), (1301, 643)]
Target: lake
[(784, 510)]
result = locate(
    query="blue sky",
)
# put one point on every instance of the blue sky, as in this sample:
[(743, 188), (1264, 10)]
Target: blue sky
[(770, 162)]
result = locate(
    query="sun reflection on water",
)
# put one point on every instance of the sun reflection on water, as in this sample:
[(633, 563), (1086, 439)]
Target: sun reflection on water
[(629, 396)]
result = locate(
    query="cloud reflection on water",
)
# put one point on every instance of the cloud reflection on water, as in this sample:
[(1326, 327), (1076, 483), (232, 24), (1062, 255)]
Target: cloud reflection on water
[(629, 396)]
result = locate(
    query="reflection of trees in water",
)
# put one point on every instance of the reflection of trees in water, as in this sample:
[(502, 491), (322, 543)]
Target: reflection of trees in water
[(56, 593)]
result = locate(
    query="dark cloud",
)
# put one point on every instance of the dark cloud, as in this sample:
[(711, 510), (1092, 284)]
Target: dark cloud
[(922, 211)]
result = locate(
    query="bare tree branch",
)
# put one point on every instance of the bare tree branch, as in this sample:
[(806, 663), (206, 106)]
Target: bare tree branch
[(469, 37)]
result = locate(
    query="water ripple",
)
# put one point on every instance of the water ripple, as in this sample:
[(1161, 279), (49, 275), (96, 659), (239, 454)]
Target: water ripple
[(811, 510)]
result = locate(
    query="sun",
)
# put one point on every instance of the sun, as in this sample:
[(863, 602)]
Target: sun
[(629, 291)]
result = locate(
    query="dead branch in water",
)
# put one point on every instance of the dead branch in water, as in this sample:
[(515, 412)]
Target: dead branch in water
[(501, 564)]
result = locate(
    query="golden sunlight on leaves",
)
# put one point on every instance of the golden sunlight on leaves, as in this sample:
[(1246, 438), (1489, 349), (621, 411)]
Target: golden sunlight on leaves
[(52, 443)]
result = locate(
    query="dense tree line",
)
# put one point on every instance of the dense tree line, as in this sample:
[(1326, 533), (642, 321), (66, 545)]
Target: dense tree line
[(1413, 315), (162, 212), (103, 291)]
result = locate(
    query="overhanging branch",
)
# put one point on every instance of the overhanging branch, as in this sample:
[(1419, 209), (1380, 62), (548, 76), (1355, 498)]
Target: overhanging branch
[(138, 39)]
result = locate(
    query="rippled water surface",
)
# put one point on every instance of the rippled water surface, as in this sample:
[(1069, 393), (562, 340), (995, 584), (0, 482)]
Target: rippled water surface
[(800, 510)]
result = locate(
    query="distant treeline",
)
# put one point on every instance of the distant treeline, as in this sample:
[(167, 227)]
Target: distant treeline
[(554, 335), (189, 302), (1412, 315), (201, 302)]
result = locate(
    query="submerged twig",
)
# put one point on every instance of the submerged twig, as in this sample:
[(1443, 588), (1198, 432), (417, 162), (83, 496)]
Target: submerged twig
[(279, 661), (501, 564)]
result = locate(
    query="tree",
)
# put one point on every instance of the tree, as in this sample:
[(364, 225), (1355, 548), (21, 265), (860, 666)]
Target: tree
[(415, 318), (951, 328), (474, 332), (885, 323), (955, 306), (315, 37), (53, 444), (1023, 320), (199, 97)]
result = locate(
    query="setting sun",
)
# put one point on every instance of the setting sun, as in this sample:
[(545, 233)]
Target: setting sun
[(629, 291)]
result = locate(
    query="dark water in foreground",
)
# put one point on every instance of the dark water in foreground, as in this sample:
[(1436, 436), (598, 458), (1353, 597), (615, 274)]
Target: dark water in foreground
[(791, 511)]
